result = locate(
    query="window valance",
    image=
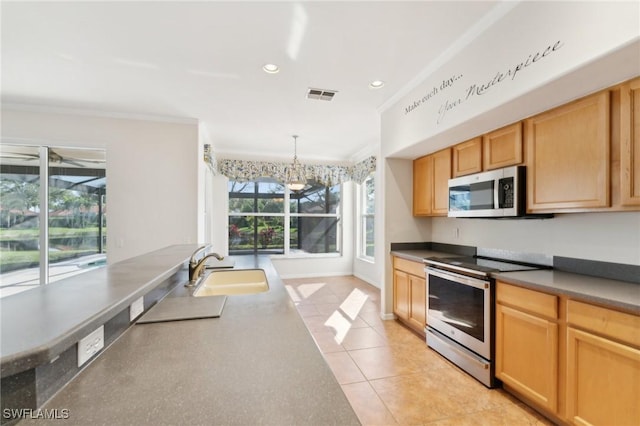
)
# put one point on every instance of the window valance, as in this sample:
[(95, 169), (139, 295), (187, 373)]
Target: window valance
[(246, 170)]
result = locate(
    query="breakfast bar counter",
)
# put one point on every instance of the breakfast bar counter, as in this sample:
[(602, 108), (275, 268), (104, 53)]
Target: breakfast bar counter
[(255, 364)]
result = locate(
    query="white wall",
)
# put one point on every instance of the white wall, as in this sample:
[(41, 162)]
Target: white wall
[(152, 172), (370, 270), (399, 223), (608, 237), (217, 205)]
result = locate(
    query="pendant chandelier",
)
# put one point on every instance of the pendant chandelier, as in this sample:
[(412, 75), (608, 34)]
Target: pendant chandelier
[(296, 179)]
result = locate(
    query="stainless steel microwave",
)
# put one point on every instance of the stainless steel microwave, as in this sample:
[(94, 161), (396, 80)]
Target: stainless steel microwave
[(496, 193)]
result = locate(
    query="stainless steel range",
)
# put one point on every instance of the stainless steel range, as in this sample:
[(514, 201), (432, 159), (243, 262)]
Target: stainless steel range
[(460, 304)]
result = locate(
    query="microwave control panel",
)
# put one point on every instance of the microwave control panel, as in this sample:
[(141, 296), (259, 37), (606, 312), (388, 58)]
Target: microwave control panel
[(505, 193)]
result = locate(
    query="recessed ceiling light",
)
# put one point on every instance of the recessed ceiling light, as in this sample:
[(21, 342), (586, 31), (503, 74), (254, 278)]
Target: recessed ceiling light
[(271, 68), (376, 84)]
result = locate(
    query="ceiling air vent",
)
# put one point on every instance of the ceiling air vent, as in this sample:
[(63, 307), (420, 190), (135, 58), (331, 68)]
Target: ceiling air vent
[(321, 94)]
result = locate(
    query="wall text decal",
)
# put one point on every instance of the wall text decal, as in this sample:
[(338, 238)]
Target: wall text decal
[(480, 88), (434, 91)]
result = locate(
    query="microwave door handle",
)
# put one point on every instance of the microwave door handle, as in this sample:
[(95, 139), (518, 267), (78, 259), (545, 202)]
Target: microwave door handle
[(496, 194)]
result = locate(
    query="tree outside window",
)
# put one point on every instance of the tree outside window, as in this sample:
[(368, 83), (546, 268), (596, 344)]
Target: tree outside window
[(256, 217), (75, 239)]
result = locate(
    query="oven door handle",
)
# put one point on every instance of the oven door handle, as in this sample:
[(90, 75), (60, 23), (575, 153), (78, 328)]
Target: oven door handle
[(452, 276)]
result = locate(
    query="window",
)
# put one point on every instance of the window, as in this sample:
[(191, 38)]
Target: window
[(256, 217), (314, 219), (261, 221), (74, 197), (366, 207)]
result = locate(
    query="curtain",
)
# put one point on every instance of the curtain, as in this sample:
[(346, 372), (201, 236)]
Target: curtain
[(245, 170)]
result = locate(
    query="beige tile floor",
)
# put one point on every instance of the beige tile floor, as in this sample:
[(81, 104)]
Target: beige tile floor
[(387, 372)]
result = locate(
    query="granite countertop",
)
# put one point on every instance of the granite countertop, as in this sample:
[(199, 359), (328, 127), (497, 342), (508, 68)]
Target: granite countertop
[(606, 292), (256, 364), (37, 325)]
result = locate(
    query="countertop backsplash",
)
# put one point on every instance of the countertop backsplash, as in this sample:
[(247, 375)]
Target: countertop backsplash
[(594, 268)]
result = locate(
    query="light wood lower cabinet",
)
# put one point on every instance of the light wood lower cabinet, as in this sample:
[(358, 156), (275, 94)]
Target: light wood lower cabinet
[(578, 363), (418, 311), (603, 366), (401, 294), (410, 293), (527, 343)]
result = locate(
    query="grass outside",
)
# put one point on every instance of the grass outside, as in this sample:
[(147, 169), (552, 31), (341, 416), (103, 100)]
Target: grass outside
[(243, 239), (14, 260), (30, 234)]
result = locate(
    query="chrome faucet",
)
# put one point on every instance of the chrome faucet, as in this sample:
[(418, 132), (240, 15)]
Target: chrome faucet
[(196, 268)]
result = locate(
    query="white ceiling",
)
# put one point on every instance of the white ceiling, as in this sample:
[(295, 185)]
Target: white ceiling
[(203, 60)]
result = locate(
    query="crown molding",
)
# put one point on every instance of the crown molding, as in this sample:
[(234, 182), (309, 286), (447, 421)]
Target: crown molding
[(489, 19), (51, 109), (365, 152)]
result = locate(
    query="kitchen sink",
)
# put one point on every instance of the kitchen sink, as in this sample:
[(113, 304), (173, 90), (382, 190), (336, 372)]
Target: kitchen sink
[(242, 281)]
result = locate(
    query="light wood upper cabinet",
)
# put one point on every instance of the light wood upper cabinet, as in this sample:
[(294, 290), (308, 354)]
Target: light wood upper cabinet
[(603, 366), (527, 343), (568, 154), (500, 148), (423, 186), (441, 176), (431, 175), (503, 147), (630, 143), (582, 156), (467, 157)]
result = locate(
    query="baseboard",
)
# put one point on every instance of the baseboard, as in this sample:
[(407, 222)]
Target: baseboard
[(314, 275), (366, 280)]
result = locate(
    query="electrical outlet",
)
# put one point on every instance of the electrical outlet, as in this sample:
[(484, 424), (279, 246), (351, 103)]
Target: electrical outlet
[(456, 233), (136, 309), (90, 345)]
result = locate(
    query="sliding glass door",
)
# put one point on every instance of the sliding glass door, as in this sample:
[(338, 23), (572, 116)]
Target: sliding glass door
[(52, 214), (19, 218)]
